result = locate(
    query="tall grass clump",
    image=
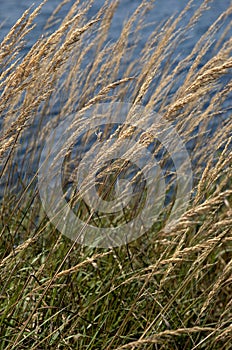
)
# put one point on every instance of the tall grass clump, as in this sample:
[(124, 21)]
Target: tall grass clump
[(168, 289)]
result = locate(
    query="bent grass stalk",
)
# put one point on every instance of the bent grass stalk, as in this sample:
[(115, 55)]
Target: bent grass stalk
[(166, 289)]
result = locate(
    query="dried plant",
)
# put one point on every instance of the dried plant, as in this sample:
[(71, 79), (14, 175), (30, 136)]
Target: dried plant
[(168, 289)]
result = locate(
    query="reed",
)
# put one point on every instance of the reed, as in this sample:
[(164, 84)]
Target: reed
[(166, 289)]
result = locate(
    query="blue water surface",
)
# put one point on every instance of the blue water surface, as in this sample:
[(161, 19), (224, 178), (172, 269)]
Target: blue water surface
[(12, 10)]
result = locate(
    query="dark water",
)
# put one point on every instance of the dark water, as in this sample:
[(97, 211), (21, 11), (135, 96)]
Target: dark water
[(11, 11)]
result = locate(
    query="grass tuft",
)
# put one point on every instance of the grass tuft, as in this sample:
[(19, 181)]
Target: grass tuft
[(166, 289)]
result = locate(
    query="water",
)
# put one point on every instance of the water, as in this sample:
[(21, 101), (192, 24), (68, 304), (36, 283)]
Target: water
[(11, 10)]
